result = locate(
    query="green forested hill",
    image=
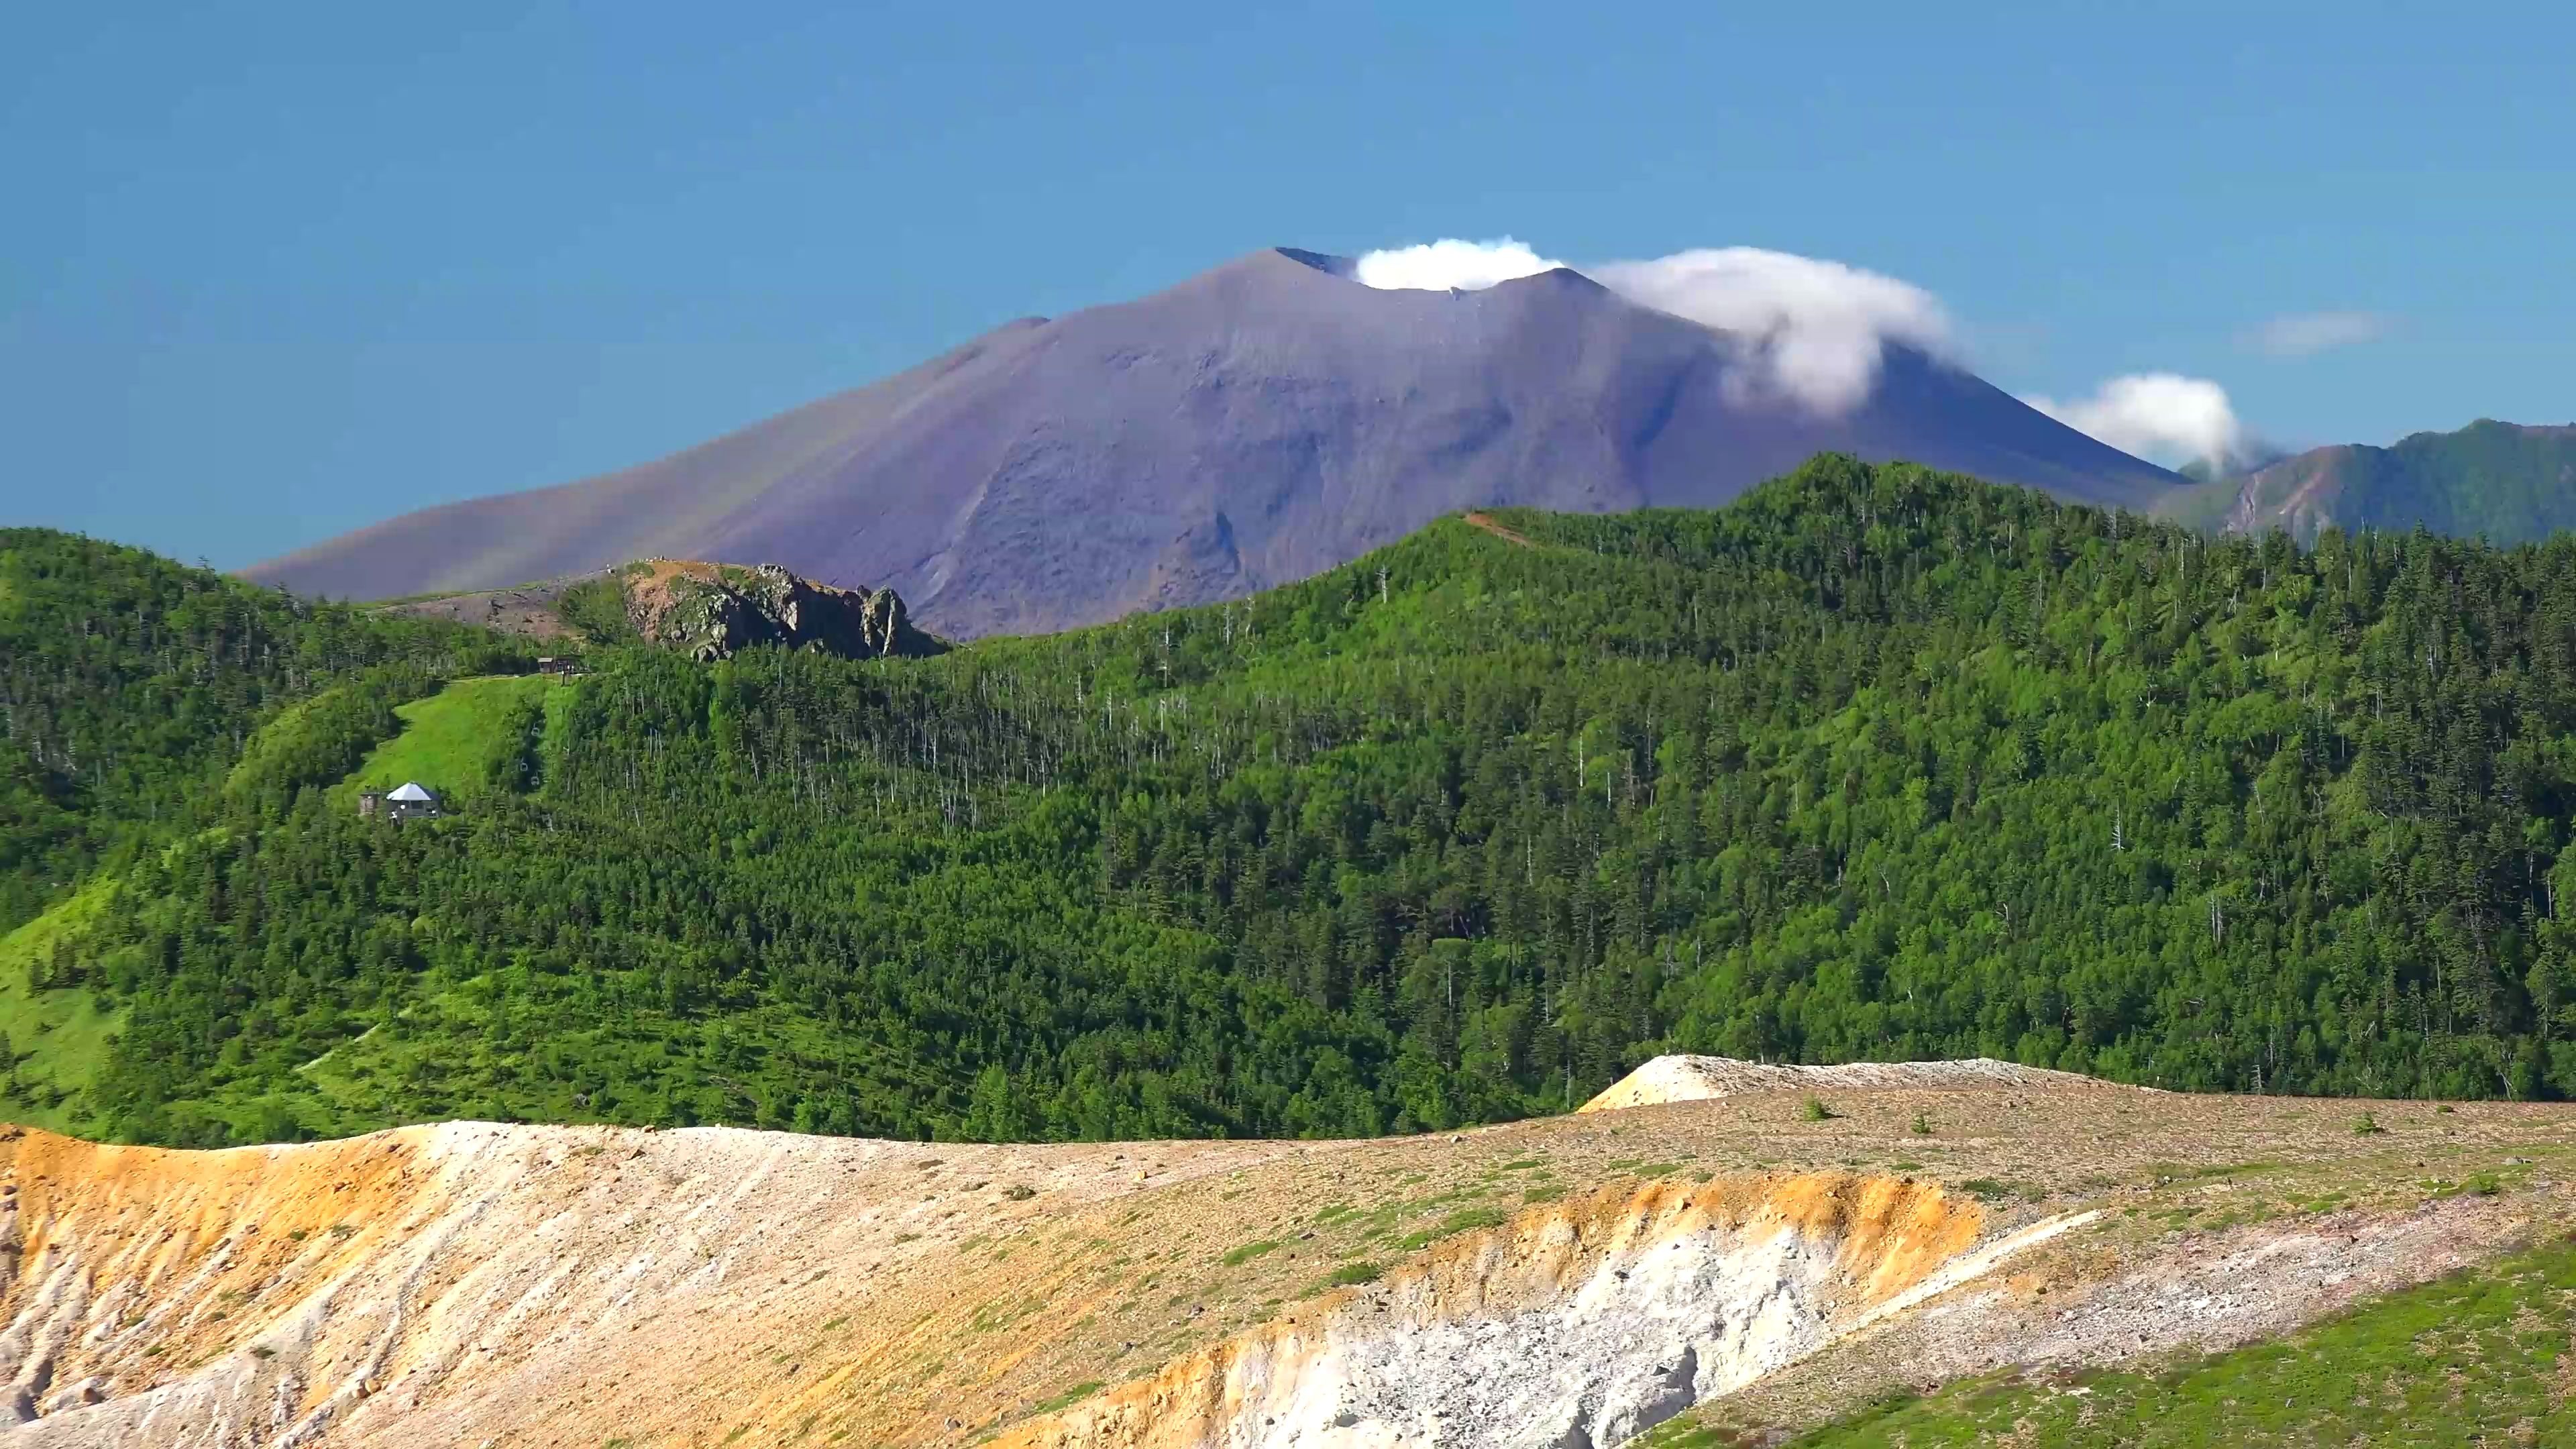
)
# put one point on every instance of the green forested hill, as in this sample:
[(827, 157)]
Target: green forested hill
[(2503, 482), (129, 685), (1877, 762)]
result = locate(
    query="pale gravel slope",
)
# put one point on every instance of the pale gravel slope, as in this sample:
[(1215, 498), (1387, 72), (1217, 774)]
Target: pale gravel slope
[(1697, 1079)]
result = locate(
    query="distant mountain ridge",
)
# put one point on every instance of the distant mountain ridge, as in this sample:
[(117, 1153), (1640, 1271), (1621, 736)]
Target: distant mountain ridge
[(2505, 482), (1251, 426)]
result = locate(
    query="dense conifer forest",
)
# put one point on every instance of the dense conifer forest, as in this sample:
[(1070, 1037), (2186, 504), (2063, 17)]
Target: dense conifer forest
[(1877, 762)]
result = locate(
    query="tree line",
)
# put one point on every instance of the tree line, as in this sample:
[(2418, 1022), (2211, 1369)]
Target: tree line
[(1877, 762)]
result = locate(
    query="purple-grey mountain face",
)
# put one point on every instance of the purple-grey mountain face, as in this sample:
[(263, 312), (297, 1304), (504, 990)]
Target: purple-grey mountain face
[(1252, 426)]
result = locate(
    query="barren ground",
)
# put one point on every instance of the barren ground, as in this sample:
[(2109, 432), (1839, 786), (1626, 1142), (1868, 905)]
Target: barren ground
[(535, 1286), (527, 609)]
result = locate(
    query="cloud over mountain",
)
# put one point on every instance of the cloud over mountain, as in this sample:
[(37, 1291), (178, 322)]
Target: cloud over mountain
[(2159, 415), (1822, 327), (1450, 265), (1815, 333), (1817, 329)]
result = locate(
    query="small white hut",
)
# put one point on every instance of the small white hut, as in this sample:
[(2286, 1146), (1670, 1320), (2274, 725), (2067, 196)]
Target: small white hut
[(411, 801)]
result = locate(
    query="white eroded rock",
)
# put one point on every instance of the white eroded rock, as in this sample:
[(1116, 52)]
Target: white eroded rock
[(1574, 1326)]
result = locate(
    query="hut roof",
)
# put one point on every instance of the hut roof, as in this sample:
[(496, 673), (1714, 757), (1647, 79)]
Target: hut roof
[(412, 792)]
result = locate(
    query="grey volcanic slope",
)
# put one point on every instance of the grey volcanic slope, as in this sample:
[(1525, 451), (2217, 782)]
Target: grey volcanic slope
[(1254, 425)]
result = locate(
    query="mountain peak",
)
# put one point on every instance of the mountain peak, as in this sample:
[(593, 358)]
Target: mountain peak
[(1324, 262), (1255, 424)]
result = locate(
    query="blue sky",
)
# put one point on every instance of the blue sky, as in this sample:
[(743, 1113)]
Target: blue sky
[(270, 272)]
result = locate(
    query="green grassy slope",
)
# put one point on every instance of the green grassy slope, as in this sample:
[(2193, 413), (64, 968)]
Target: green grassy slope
[(2479, 1358), (454, 741), (57, 1034)]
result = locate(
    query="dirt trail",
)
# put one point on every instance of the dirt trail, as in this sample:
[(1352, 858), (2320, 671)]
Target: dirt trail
[(566, 1286), (1487, 522)]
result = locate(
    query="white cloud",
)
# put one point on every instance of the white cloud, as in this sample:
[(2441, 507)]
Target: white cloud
[(2305, 334), (1449, 263), (2161, 416), (1813, 331), (1818, 328)]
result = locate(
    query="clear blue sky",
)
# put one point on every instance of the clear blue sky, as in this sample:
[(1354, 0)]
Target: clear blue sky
[(273, 271)]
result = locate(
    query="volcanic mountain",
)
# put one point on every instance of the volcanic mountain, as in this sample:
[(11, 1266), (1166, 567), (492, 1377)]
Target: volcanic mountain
[(1254, 425)]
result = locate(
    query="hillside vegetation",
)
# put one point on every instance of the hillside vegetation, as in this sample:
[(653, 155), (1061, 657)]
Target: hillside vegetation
[(2484, 1351), (470, 735), (2503, 482), (1876, 762), (129, 686)]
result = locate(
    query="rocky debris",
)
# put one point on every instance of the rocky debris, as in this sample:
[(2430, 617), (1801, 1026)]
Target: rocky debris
[(524, 609), (2264, 1280), (2247, 1285), (714, 611), (1585, 1322), (1697, 1079)]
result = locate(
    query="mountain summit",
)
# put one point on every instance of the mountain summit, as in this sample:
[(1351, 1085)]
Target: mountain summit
[(1253, 425)]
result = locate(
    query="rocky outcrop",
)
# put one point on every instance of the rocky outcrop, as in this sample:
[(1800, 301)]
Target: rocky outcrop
[(714, 611), (708, 611)]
